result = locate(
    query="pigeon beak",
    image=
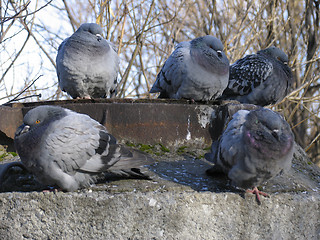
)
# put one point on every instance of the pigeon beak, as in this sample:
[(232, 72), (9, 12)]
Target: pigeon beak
[(22, 129)]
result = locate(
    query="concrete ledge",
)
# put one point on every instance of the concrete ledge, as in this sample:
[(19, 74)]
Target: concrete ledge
[(158, 214), (180, 202)]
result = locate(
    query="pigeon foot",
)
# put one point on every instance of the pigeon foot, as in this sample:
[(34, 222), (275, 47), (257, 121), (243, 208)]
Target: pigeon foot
[(257, 192)]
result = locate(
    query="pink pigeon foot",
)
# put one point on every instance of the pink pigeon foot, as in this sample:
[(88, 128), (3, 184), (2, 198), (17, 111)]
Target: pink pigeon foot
[(257, 192)]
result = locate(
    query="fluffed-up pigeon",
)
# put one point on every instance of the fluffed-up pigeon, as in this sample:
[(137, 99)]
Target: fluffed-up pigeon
[(262, 79), (196, 70), (256, 146), (87, 64), (71, 150)]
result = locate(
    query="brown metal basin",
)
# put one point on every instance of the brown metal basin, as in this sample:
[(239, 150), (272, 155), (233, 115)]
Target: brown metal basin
[(173, 123)]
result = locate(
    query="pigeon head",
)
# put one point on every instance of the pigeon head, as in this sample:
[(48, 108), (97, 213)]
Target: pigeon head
[(267, 133), (275, 53), (90, 32), (38, 117), (208, 52), (213, 43), (92, 28)]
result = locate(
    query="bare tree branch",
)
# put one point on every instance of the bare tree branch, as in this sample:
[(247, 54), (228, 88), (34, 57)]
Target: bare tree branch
[(16, 98)]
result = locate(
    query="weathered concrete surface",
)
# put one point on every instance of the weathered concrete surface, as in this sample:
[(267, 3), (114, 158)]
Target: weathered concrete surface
[(180, 202), (158, 214)]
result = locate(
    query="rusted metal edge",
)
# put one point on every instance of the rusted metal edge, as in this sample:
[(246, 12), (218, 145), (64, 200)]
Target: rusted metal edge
[(170, 122), (10, 119), (112, 100)]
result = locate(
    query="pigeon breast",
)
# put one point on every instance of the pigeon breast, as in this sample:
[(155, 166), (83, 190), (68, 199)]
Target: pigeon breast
[(196, 70), (256, 146), (87, 64)]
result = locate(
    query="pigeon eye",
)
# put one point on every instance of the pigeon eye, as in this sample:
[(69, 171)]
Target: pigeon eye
[(219, 53), (279, 59), (38, 121), (99, 37)]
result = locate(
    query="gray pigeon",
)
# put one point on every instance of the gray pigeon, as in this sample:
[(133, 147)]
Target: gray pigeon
[(71, 150), (87, 64), (262, 79), (256, 146), (196, 70)]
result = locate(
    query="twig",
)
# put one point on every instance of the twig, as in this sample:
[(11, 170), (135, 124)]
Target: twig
[(17, 14), (16, 97), (291, 97), (143, 71), (25, 8), (72, 20), (15, 58), (313, 141), (36, 40), (139, 38), (122, 28)]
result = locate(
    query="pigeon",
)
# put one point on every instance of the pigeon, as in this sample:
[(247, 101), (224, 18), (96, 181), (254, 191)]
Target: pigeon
[(256, 146), (197, 70), (71, 150), (261, 79), (87, 64)]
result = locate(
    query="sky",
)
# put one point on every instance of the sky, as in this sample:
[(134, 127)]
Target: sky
[(32, 62)]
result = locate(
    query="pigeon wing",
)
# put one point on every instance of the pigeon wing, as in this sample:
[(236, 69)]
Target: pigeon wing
[(172, 73), (247, 74), (59, 59), (111, 156), (77, 143), (73, 140), (229, 149)]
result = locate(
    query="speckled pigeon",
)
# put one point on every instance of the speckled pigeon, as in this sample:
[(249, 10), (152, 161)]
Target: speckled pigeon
[(71, 150), (87, 64), (196, 70), (262, 79), (256, 146)]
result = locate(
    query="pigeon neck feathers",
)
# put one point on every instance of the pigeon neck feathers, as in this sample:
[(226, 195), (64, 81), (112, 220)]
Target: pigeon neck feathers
[(280, 60), (39, 118), (208, 52), (93, 28), (266, 134), (89, 36), (44, 114), (36, 122), (275, 54)]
